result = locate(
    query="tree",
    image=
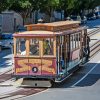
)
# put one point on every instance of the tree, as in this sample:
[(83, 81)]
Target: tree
[(21, 6), (5, 4), (48, 6), (82, 5), (67, 6)]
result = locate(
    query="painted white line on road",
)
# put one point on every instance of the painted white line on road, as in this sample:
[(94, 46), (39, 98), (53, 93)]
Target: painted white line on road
[(85, 75)]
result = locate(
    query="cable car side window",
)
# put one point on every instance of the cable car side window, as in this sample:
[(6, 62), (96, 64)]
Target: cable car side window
[(76, 40), (80, 39), (71, 42), (48, 46), (20, 46), (34, 47)]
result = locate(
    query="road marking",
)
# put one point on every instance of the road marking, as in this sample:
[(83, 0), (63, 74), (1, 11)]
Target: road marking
[(86, 75)]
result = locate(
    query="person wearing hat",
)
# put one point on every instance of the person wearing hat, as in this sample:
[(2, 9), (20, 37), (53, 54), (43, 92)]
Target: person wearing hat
[(40, 20)]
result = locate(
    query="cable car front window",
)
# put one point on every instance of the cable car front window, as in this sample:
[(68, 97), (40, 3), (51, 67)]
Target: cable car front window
[(20, 46), (48, 46), (34, 47)]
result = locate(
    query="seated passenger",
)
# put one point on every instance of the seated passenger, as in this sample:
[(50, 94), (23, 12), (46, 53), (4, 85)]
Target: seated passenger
[(47, 48), (23, 53), (34, 50)]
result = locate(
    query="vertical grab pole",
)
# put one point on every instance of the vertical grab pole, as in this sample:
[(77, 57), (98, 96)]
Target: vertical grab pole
[(61, 58), (58, 54), (58, 59), (14, 51)]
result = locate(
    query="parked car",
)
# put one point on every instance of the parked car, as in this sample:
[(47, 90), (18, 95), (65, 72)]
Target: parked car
[(6, 44), (73, 17), (0, 35), (21, 28), (83, 20), (97, 14), (6, 36), (91, 16)]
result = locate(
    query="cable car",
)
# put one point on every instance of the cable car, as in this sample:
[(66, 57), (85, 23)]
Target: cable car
[(49, 51)]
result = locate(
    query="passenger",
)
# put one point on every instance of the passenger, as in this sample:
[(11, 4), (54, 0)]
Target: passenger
[(41, 20), (34, 49), (85, 52), (68, 18), (88, 47), (23, 53), (47, 48), (78, 18)]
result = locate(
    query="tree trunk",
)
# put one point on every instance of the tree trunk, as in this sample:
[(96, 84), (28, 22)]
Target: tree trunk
[(65, 14), (61, 15), (52, 19)]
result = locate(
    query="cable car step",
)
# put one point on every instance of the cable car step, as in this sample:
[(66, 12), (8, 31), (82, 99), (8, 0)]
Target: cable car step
[(62, 79), (32, 83)]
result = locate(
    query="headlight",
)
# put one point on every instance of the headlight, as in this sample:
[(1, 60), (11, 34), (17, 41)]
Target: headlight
[(34, 69)]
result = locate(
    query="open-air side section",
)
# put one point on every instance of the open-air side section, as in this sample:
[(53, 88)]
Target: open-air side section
[(49, 49)]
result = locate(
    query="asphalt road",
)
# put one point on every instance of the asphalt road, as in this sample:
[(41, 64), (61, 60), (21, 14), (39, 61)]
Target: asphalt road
[(84, 84), (5, 58), (93, 23)]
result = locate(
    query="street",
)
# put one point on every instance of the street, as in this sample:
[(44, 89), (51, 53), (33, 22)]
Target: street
[(5, 60)]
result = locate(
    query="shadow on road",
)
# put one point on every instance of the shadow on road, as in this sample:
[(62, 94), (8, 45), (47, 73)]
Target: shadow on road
[(89, 80), (5, 58)]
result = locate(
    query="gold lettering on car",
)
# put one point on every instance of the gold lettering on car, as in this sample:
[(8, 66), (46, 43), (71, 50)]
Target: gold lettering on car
[(46, 65), (23, 67)]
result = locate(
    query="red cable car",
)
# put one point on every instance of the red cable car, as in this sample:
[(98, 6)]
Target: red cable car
[(49, 51)]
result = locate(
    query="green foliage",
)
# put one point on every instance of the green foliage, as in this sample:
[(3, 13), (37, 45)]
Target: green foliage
[(5, 4), (24, 3), (47, 6)]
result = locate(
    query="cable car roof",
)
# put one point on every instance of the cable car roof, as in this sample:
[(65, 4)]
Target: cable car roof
[(54, 26), (42, 34)]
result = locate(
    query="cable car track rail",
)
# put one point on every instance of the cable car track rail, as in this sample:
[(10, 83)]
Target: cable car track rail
[(94, 48), (93, 32)]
